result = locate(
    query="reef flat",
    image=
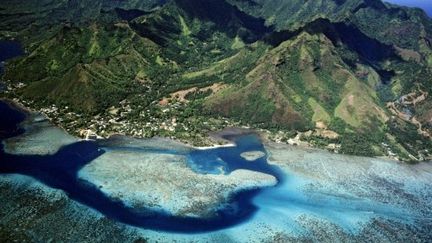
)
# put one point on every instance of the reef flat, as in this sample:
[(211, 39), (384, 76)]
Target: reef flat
[(303, 194), (252, 155), (40, 138), (164, 181)]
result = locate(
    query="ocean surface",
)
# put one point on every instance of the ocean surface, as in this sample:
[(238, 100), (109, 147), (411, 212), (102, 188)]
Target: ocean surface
[(426, 5)]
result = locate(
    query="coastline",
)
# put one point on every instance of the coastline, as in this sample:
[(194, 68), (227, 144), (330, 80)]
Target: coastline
[(217, 139), (29, 112), (215, 146), (315, 180), (18, 105), (310, 150), (123, 173)]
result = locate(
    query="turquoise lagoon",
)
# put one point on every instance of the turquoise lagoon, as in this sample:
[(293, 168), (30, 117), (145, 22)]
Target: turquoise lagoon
[(315, 191)]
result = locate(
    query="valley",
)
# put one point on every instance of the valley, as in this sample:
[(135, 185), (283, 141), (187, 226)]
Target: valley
[(215, 121), (181, 69)]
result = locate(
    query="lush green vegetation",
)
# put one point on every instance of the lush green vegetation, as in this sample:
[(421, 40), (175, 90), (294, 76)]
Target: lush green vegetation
[(275, 65)]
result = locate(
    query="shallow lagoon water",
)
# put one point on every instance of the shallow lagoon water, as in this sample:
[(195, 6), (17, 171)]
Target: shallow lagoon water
[(313, 186), (60, 171)]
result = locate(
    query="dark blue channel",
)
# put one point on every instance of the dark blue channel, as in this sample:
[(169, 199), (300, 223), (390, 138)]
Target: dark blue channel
[(8, 50), (60, 171)]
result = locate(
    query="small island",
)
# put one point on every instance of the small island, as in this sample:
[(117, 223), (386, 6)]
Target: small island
[(252, 155)]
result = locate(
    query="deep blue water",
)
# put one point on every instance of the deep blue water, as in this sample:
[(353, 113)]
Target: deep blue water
[(60, 171), (8, 50), (9, 118)]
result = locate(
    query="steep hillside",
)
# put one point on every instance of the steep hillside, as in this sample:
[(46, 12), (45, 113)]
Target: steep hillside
[(336, 68), (383, 21), (85, 66)]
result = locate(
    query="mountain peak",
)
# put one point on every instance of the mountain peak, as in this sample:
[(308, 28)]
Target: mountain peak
[(285, 65)]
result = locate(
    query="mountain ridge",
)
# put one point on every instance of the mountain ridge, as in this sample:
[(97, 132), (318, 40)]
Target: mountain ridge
[(332, 67)]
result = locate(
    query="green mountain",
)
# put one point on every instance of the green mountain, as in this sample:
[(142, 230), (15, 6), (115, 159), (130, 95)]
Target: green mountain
[(353, 72)]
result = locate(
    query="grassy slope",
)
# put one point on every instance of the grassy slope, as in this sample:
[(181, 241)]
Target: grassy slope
[(90, 63)]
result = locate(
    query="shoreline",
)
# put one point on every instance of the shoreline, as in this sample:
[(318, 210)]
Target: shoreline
[(215, 146), (29, 112), (333, 178), (222, 136), (18, 106), (217, 135), (238, 187)]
